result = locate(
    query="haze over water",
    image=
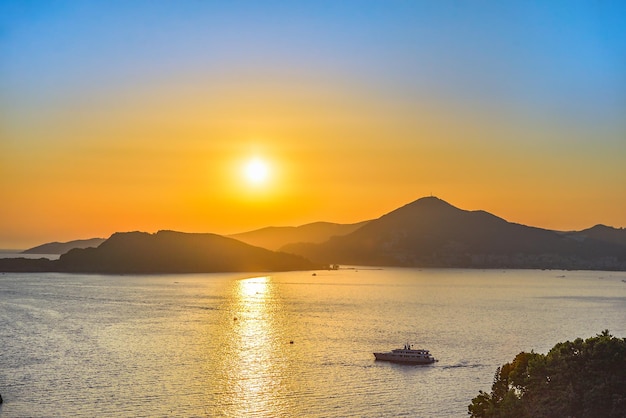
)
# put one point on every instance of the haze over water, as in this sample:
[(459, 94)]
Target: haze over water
[(220, 344)]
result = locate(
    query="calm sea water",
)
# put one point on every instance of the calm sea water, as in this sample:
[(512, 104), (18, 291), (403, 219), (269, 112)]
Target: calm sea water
[(282, 345)]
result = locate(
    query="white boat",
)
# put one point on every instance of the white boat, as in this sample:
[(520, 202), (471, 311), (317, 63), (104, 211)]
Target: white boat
[(407, 355)]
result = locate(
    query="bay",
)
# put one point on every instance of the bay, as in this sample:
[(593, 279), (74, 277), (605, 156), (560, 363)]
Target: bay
[(285, 344)]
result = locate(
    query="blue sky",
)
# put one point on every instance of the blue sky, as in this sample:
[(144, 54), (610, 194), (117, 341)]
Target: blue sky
[(570, 56)]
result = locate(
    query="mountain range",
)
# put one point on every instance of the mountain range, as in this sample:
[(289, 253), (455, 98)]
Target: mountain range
[(428, 232), (275, 237)]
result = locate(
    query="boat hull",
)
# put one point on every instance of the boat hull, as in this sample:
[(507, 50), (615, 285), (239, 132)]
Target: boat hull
[(398, 358)]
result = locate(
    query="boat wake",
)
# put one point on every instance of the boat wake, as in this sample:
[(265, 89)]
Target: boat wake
[(463, 364)]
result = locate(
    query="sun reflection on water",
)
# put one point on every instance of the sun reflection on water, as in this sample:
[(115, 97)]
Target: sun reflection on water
[(255, 362), (255, 286)]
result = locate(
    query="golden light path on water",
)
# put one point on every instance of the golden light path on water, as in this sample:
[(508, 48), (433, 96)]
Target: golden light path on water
[(256, 353)]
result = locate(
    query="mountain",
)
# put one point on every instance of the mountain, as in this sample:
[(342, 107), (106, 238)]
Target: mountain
[(273, 238), (430, 232), (601, 233), (165, 252), (63, 247)]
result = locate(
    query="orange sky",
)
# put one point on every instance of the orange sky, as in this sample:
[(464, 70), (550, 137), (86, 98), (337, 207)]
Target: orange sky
[(165, 150)]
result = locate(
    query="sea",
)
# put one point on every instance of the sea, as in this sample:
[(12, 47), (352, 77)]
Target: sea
[(289, 344)]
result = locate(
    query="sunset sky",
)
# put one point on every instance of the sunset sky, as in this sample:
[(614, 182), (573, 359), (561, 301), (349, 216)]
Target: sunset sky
[(229, 116)]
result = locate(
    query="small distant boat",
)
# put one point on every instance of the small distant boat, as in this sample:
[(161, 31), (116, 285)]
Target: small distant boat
[(407, 355)]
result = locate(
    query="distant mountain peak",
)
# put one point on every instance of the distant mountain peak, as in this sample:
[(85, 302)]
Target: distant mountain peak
[(423, 206), (430, 198), (431, 202), (63, 247), (602, 227)]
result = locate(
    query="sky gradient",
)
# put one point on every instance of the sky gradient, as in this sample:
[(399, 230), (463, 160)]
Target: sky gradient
[(118, 116)]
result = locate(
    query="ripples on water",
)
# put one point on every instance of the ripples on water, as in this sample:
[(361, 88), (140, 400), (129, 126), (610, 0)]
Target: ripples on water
[(287, 344)]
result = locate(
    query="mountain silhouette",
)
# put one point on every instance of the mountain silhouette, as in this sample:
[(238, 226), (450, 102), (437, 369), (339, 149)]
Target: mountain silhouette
[(165, 252), (63, 247), (601, 233), (430, 232), (273, 237)]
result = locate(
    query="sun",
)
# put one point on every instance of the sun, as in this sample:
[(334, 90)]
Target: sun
[(256, 171)]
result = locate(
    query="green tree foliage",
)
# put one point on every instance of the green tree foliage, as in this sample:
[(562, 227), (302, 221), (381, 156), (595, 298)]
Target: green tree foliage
[(580, 378)]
